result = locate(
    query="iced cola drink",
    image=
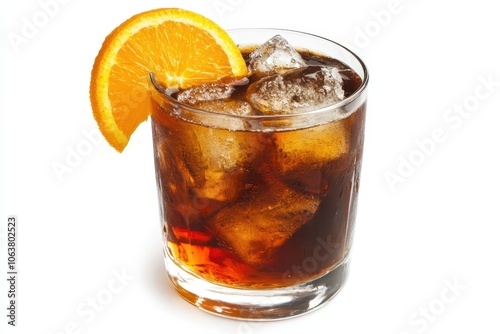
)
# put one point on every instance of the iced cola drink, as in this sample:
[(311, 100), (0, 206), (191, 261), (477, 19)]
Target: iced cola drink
[(258, 179)]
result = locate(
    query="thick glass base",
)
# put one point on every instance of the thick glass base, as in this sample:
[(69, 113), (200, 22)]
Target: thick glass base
[(257, 304)]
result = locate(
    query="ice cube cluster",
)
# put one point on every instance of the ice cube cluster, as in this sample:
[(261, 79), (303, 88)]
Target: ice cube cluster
[(286, 85)]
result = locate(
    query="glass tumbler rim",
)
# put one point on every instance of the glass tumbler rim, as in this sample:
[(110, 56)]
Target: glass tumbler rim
[(161, 91)]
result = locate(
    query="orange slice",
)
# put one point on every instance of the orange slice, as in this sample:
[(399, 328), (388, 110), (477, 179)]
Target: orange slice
[(181, 48)]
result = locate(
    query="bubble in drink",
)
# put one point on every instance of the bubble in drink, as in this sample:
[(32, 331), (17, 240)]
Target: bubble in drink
[(274, 56), (300, 90)]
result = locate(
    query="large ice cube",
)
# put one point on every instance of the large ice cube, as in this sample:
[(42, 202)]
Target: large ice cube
[(256, 227), (296, 91), (230, 107), (311, 148), (205, 163), (221, 165), (274, 56)]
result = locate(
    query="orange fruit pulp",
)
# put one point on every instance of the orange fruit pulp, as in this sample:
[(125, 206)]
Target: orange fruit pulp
[(182, 49)]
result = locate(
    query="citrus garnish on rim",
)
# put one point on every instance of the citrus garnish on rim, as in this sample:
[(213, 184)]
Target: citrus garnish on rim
[(182, 48)]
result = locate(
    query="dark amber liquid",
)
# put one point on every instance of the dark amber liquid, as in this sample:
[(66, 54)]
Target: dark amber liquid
[(196, 204)]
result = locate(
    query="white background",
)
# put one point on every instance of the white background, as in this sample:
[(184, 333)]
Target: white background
[(435, 225)]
